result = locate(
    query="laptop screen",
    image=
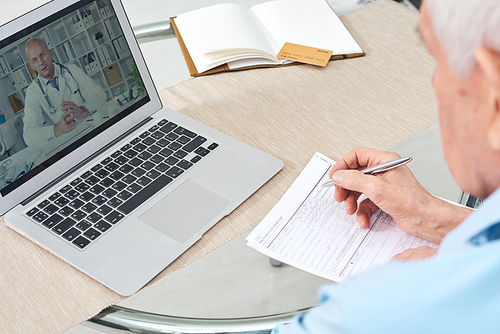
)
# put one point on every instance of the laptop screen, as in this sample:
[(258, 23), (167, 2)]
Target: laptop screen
[(63, 80)]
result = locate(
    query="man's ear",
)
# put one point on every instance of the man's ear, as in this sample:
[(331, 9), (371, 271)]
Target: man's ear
[(488, 61)]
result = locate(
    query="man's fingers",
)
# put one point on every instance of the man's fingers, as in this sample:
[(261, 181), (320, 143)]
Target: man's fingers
[(67, 112), (356, 181), (374, 187), (68, 104), (340, 194), (351, 202), (422, 252), (68, 107), (365, 210), (69, 119), (362, 157)]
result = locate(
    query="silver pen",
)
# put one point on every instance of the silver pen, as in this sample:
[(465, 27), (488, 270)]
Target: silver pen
[(380, 168)]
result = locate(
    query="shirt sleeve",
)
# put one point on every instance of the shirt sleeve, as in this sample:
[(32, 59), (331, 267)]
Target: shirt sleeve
[(328, 317)]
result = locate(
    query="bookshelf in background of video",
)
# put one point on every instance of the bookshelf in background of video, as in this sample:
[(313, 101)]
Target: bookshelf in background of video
[(73, 39)]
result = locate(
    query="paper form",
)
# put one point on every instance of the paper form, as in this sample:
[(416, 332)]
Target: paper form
[(308, 229)]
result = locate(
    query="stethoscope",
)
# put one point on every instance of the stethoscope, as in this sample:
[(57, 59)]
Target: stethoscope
[(53, 109)]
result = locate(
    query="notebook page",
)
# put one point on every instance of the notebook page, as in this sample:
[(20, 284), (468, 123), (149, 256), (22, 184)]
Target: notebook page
[(220, 28), (310, 23)]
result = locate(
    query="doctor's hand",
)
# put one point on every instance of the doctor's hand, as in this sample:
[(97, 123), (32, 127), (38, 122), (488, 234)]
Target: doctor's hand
[(64, 125), (73, 112), (396, 192)]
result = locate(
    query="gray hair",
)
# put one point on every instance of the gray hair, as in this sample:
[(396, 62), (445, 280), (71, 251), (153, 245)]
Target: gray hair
[(463, 25)]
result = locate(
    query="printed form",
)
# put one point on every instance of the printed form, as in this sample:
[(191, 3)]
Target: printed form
[(308, 229)]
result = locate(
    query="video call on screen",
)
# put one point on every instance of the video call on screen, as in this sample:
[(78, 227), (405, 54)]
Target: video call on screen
[(85, 45)]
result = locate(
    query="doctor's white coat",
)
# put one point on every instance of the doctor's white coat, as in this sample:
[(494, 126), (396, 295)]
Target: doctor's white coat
[(39, 121)]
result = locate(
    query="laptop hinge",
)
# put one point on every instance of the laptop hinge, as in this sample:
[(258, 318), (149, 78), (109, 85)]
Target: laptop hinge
[(84, 162)]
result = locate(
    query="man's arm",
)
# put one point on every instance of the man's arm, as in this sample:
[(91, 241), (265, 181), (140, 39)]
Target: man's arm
[(438, 295), (396, 192)]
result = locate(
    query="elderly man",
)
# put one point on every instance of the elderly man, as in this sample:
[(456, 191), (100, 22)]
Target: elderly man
[(453, 289), (58, 98)]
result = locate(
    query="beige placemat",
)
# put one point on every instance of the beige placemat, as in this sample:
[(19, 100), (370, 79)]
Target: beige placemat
[(378, 100)]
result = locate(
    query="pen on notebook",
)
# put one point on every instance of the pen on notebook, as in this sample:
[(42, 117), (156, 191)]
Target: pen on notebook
[(380, 168)]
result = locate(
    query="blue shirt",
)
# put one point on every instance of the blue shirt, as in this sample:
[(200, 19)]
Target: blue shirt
[(455, 291)]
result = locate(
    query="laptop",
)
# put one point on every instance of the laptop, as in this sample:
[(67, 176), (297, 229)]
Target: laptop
[(93, 169)]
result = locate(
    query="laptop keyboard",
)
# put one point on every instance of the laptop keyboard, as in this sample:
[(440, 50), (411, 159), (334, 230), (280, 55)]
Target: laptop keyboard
[(100, 197)]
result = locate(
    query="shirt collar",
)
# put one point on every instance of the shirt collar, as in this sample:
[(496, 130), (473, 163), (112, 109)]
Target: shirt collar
[(56, 74)]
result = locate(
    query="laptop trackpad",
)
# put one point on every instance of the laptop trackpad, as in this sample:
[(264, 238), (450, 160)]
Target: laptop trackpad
[(185, 211)]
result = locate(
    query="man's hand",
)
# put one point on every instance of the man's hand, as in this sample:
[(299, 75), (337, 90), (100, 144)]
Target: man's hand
[(64, 126), (396, 192), (73, 112), (422, 252)]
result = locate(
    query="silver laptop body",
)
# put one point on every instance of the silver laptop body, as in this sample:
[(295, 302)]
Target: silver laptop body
[(182, 203)]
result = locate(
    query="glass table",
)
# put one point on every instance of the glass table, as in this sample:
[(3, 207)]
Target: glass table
[(233, 289)]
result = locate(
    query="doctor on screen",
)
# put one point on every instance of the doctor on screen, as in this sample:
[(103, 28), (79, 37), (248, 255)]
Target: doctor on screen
[(58, 98)]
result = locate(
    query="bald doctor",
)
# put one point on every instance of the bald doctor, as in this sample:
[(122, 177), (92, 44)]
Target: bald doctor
[(60, 97)]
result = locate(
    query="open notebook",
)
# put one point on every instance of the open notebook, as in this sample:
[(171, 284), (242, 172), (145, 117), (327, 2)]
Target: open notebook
[(230, 36)]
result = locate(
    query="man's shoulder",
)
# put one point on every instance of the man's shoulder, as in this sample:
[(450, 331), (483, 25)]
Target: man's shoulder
[(31, 87), (74, 68)]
